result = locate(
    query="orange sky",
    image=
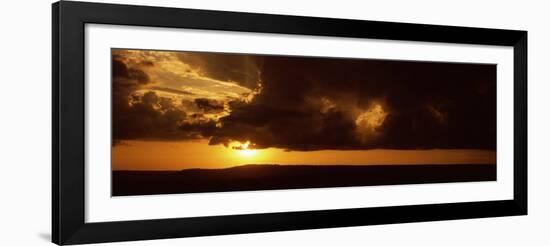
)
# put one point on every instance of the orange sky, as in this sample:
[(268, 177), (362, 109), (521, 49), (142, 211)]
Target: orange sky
[(151, 155)]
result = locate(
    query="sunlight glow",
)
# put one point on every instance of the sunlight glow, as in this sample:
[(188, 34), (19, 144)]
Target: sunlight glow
[(372, 118), (248, 152), (243, 149)]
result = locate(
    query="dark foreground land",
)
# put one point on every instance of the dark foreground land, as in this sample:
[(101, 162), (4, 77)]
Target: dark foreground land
[(268, 177)]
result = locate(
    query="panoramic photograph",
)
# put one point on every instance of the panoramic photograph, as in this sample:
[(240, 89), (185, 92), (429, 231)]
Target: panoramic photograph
[(193, 121)]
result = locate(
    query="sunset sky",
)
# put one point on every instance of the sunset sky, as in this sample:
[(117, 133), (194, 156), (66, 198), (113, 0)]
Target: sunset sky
[(177, 110)]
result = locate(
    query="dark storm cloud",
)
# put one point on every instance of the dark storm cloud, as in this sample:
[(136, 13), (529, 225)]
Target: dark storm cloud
[(313, 104), (288, 129), (198, 129), (209, 105), (120, 70), (149, 117)]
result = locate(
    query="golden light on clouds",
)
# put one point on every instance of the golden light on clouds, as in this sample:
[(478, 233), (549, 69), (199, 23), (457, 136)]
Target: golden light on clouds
[(373, 118), (174, 77), (369, 121), (326, 105), (438, 114)]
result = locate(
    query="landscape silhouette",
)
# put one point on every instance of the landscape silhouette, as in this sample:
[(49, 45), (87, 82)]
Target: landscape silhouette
[(270, 177)]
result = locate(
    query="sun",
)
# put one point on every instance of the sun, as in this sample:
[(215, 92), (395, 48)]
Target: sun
[(244, 149), (248, 153)]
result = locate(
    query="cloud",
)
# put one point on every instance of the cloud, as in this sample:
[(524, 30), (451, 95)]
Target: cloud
[(209, 106), (171, 90), (317, 104), (304, 103), (121, 71), (237, 68), (146, 116), (157, 97)]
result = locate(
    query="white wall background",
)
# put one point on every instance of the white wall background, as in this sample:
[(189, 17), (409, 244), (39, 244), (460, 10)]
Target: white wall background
[(25, 134)]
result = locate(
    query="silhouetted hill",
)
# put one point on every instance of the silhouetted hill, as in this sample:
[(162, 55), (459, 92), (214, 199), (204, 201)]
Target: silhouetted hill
[(268, 177)]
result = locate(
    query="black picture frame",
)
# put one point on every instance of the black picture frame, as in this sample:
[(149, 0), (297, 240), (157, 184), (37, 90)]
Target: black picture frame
[(68, 107)]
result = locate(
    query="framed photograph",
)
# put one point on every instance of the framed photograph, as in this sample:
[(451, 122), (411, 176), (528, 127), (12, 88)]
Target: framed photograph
[(175, 122)]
